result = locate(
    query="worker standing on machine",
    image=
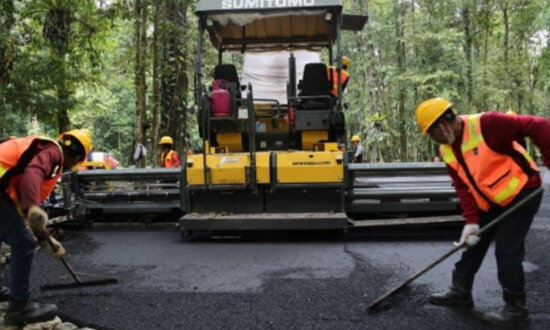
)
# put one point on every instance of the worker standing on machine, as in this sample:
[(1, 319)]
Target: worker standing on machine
[(491, 173), (344, 76), (29, 169), (357, 149), (169, 157)]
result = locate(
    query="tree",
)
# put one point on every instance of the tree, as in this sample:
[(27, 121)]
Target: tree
[(157, 96), (399, 13), (84, 63), (175, 83), (7, 21), (140, 74)]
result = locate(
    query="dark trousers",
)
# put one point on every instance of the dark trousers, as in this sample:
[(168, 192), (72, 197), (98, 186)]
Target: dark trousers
[(23, 244), (509, 236)]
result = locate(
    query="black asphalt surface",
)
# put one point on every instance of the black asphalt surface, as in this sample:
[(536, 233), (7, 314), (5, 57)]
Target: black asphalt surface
[(276, 282)]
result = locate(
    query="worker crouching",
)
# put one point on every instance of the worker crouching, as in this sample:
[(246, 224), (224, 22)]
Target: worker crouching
[(491, 173), (29, 170)]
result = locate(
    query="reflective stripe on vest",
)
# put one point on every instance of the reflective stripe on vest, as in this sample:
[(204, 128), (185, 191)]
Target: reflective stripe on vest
[(164, 157), (13, 157), (497, 176)]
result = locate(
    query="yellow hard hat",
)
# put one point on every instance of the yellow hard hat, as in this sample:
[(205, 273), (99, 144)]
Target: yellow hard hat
[(166, 140), (82, 135), (511, 113), (346, 61), (429, 111), (355, 138)]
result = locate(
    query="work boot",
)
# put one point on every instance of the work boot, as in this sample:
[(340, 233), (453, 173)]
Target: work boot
[(459, 295), (4, 293), (21, 313), (512, 313)]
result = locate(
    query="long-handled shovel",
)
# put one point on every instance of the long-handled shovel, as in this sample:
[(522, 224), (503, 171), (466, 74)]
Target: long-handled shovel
[(377, 305), (77, 281)]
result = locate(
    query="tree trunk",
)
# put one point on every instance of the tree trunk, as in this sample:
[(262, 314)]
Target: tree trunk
[(468, 37), (506, 23), (174, 81), (506, 31), (400, 54), (486, 19), (63, 98), (7, 21), (371, 81), (141, 64), (57, 31), (157, 7)]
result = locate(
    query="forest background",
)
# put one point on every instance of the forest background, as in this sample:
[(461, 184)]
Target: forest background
[(124, 69)]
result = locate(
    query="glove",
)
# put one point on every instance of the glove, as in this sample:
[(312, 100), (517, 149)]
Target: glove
[(469, 235), (55, 249), (37, 220), (546, 180)]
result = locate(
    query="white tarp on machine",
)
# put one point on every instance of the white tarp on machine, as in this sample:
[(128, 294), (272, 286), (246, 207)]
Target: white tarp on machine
[(268, 72)]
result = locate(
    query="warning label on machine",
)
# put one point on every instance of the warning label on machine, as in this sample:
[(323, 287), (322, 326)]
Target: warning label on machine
[(312, 163)]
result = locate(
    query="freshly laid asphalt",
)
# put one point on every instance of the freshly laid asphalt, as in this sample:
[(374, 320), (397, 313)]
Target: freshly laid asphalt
[(276, 282)]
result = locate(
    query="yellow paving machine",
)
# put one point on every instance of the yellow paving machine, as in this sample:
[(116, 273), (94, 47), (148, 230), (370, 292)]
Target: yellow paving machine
[(269, 163), (271, 119)]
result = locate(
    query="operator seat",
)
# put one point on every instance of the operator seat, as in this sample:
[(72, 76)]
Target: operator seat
[(315, 83), (227, 72)]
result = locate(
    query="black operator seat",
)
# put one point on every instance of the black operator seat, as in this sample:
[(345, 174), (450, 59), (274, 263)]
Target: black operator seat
[(227, 72), (315, 83)]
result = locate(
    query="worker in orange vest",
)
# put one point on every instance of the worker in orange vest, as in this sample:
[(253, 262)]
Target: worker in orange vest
[(344, 76), (29, 169), (357, 149), (169, 157), (491, 172)]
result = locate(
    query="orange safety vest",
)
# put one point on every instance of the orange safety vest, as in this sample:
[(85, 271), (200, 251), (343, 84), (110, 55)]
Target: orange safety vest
[(15, 155), (333, 78), (167, 160), (492, 177)]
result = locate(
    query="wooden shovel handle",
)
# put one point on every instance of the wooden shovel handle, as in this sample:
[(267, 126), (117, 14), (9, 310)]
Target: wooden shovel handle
[(63, 261)]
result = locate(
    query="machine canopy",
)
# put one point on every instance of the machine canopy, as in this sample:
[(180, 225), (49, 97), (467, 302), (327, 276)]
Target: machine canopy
[(261, 25)]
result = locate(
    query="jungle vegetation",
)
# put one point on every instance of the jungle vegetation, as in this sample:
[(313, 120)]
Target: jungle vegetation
[(124, 69)]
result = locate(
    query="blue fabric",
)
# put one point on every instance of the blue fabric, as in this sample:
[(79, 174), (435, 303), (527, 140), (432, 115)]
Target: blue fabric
[(509, 237), (23, 244)]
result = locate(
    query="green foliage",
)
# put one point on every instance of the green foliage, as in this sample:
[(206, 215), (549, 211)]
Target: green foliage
[(459, 49), (438, 64)]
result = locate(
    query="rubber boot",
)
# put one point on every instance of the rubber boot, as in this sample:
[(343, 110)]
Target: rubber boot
[(4, 294), (21, 313), (512, 313), (459, 295)]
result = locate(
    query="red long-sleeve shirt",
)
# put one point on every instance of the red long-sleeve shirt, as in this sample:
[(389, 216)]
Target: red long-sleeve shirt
[(499, 130), (42, 166)]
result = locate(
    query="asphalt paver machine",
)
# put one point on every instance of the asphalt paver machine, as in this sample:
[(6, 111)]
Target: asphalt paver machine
[(271, 134), (266, 163)]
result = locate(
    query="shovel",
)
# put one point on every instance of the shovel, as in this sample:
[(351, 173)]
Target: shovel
[(77, 281), (378, 305)]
